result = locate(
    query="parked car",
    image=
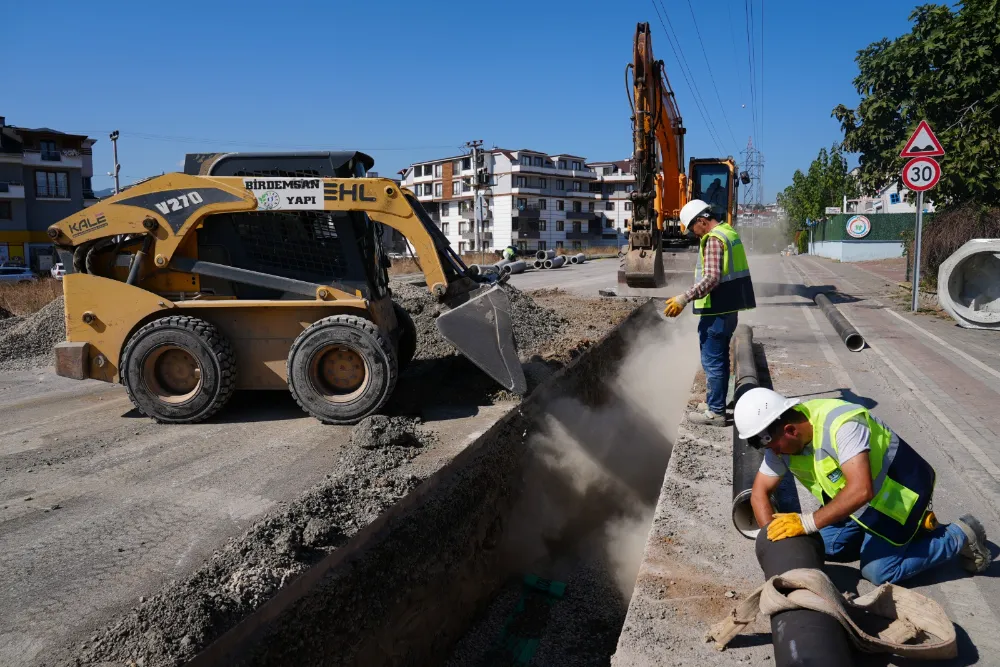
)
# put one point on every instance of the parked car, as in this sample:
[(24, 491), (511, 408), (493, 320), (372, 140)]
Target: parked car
[(16, 274), (58, 270)]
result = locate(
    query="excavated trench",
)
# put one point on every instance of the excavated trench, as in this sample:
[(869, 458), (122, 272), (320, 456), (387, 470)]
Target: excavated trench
[(523, 549)]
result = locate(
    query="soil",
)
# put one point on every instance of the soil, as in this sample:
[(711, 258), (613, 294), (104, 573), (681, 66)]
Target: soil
[(26, 342)]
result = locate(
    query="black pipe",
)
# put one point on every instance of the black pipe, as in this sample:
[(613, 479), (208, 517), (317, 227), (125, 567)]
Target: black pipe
[(801, 636), (854, 341), (746, 459)]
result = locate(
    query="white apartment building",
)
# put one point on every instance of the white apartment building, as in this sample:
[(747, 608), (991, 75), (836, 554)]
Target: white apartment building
[(534, 201)]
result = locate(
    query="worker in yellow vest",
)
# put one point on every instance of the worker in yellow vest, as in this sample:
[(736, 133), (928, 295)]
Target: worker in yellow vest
[(875, 490), (722, 288)]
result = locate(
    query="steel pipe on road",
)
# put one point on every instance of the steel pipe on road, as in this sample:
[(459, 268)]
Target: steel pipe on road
[(854, 341)]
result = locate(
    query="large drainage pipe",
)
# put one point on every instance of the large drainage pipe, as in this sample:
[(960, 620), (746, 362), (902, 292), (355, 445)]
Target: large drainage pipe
[(538, 264), (514, 267), (802, 636), (746, 459), (969, 284), (545, 254), (578, 258), (852, 339), (555, 262)]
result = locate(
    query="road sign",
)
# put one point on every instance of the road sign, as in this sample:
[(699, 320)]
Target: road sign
[(832, 210), (923, 143), (921, 173)]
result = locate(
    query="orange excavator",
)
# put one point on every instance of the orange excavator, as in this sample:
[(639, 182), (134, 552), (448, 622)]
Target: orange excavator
[(661, 186)]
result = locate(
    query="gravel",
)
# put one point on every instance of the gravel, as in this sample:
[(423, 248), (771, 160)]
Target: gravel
[(26, 342), (172, 626)]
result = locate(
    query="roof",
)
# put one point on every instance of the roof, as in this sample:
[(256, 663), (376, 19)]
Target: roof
[(45, 130)]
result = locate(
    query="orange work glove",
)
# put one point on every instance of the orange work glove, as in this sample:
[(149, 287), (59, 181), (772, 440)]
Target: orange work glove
[(675, 305), (790, 525)]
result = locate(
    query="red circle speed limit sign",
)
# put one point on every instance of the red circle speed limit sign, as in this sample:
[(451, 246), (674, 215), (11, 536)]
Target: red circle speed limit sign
[(921, 173)]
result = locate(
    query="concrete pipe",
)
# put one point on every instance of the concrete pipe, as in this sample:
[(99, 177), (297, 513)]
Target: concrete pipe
[(483, 269), (545, 254), (555, 262), (513, 268), (746, 459), (502, 263), (854, 341), (538, 264), (969, 284), (802, 636), (578, 258)]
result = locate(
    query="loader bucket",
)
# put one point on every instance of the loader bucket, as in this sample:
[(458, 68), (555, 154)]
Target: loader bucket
[(644, 267), (478, 323)]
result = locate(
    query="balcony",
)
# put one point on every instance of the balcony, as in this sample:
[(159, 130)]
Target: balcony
[(470, 235), (580, 215), (590, 231), (11, 190), (582, 174), (66, 159), (527, 212), (526, 229)]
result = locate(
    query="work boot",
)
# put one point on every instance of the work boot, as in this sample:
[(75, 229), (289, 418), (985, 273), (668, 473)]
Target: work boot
[(707, 418), (975, 556)]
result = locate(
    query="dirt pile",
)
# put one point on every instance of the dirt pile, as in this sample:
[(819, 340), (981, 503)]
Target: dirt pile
[(174, 625), (27, 341)]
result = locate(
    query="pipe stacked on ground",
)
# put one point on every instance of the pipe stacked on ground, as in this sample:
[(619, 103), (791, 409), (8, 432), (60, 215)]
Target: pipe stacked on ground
[(538, 264), (545, 254), (555, 262), (578, 258), (852, 339), (512, 268)]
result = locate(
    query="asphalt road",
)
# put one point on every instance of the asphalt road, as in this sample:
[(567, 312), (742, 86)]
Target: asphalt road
[(938, 385)]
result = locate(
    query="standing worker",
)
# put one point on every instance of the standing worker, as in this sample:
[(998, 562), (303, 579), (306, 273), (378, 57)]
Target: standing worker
[(723, 288), (875, 489), (510, 253)]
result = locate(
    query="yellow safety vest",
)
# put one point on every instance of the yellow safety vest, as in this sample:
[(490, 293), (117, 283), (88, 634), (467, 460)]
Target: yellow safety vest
[(735, 289), (903, 482)]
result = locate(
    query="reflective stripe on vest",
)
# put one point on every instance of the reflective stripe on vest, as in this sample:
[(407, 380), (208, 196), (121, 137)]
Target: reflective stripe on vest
[(735, 289), (902, 482)]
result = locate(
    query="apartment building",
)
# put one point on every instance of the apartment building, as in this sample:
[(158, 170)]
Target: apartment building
[(534, 200), (45, 175)]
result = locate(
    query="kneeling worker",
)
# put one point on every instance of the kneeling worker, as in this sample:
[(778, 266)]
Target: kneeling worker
[(875, 489), (510, 253)]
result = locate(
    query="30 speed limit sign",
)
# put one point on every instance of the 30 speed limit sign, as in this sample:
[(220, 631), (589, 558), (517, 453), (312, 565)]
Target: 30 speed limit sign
[(921, 173)]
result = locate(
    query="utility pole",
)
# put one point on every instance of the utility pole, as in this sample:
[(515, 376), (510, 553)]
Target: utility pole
[(477, 204), (753, 194), (118, 167)]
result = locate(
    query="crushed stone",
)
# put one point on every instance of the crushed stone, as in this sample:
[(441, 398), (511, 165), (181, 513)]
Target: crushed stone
[(173, 625), (26, 342)]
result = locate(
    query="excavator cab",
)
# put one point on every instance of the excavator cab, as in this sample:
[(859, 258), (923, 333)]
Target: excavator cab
[(715, 182)]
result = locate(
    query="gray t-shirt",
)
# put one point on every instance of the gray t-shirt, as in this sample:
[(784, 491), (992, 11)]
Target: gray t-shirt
[(852, 439)]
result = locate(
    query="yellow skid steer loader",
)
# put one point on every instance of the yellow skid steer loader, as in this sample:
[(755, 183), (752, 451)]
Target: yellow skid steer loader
[(263, 271)]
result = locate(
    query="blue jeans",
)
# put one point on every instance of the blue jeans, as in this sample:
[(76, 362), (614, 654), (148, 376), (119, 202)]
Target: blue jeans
[(714, 334), (882, 562)]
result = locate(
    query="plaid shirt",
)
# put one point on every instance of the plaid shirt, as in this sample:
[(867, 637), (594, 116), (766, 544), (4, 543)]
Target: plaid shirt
[(712, 270)]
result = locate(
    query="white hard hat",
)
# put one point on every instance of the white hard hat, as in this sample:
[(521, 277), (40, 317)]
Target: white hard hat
[(692, 210), (759, 408)]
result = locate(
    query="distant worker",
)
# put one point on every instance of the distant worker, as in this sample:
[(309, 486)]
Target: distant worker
[(723, 288), (875, 489), (510, 253)]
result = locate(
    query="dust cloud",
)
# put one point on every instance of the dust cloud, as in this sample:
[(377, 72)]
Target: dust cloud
[(596, 472)]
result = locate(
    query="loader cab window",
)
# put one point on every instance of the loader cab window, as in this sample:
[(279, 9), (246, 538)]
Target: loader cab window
[(711, 183)]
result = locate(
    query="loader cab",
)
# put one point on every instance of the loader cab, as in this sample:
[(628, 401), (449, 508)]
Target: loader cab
[(714, 181), (324, 247)]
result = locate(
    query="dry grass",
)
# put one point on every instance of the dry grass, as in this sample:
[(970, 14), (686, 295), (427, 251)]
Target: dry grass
[(27, 298)]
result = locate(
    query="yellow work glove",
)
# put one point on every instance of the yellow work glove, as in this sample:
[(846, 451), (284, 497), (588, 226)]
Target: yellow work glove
[(675, 305), (790, 525)]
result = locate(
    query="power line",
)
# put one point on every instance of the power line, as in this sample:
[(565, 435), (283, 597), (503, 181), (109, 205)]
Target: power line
[(748, 12), (761, 138), (711, 75), (691, 88), (179, 139)]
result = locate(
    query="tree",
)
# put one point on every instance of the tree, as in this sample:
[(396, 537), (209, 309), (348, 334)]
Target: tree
[(825, 184), (947, 71)]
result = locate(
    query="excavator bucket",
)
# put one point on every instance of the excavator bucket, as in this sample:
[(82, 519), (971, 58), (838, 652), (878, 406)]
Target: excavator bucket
[(644, 267), (478, 323)]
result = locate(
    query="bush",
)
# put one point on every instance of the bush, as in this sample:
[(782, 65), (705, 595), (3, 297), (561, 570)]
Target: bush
[(27, 298), (802, 242), (949, 232)]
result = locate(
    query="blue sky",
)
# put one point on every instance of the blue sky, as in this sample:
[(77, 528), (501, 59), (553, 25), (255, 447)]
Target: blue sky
[(413, 81)]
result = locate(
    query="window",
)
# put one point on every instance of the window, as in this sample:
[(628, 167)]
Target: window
[(607, 223), (445, 209), (894, 198), (560, 205), (6, 212), (577, 207), (541, 245), (50, 184), (522, 182), (428, 189), (562, 164), (560, 185), (437, 170), (626, 222), (444, 227), (521, 203), (560, 225), (595, 187), (577, 186), (543, 204), (456, 187), (461, 247), (522, 246), (467, 163), (609, 206), (466, 187), (49, 150), (628, 206), (630, 187), (456, 166), (542, 225), (462, 228), (559, 244), (538, 162), (590, 207), (438, 190), (576, 165), (543, 183), (608, 171), (526, 160), (577, 245)]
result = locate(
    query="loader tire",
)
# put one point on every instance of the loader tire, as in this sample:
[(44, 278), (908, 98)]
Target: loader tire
[(178, 369), (341, 369), (407, 346)]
